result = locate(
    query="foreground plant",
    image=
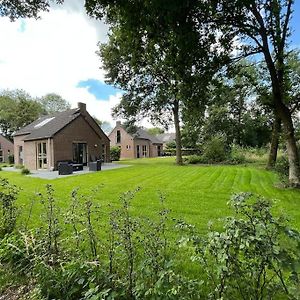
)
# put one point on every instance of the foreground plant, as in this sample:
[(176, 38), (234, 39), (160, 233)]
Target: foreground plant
[(255, 257), (8, 208)]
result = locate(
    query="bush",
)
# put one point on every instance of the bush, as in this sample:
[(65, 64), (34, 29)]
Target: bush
[(25, 171), (194, 159), (11, 159), (255, 254), (237, 154), (115, 153), (19, 166), (8, 209), (215, 149)]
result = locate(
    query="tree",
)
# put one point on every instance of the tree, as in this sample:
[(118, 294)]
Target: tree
[(265, 26), (158, 54), (25, 8), (53, 103), (155, 130), (17, 109)]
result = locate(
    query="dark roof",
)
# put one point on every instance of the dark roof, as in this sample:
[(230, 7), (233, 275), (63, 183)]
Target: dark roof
[(166, 137), (143, 134), (48, 126)]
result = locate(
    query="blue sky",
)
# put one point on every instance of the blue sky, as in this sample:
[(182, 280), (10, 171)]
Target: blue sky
[(295, 38), (99, 89)]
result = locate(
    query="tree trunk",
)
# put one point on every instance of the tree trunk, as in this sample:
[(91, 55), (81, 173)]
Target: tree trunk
[(274, 143), (177, 133), (293, 155)]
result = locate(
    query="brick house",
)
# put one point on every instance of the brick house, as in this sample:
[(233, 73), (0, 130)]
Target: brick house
[(135, 145), (166, 138), (71, 135), (6, 148)]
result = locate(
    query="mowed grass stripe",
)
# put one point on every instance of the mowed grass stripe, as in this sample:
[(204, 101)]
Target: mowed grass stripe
[(196, 194)]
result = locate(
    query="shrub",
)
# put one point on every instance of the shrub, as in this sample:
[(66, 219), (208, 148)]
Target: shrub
[(11, 159), (19, 166), (194, 159), (215, 149), (8, 209), (237, 154), (171, 145), (25, 171), (115, 153), (256, 254)]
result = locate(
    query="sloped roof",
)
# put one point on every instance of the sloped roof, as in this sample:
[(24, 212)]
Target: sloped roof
[(143, 134), (48, 126), (166, 137)]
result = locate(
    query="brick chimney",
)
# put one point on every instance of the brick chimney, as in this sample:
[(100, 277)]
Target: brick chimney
[(118, 123), (81, 106)]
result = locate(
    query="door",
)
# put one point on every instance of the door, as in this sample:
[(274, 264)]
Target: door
[(80, 153), (158, 150), (42, 162), (137, 151)]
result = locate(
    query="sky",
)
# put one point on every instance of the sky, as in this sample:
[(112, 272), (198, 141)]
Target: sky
[(57, 54)]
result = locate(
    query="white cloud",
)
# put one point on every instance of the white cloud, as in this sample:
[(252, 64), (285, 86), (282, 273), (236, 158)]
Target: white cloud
[(53, 54)]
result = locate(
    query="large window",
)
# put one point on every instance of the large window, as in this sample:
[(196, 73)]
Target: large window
[(118, 136), (144, 150), (80, 153), (42, 155)]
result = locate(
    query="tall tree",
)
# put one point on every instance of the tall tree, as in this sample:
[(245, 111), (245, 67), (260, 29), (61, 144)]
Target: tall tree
[(53, 103), (265, 27), (159, 53)]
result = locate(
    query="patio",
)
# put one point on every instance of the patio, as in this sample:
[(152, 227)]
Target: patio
[(45, 174)]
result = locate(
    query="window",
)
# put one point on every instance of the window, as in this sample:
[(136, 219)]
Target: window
[(128, 147), (41, 155), (0, 146), (144, 150), (118, 136), (103, 151), (44, 122), (1, 156)]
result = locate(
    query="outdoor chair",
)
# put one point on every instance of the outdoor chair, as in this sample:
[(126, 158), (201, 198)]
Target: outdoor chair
[(95, 165), (65, 168)]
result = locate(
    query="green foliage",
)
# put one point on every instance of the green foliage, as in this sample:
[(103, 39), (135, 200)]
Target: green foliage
[(8, 208), (256, 254), (115, 153), (17, 109), (19, 166), (25, 171), (237, 154), (11, 159), (53, 103), (155, 130), (215, 149), (24, 9), (171, 145), (194, 159)]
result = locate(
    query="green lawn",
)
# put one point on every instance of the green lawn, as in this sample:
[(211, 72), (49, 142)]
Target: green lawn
[(196, 194)]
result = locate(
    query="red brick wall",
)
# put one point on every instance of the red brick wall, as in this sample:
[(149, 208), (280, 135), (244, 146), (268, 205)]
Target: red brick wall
[(7, 148), (78, 131)]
